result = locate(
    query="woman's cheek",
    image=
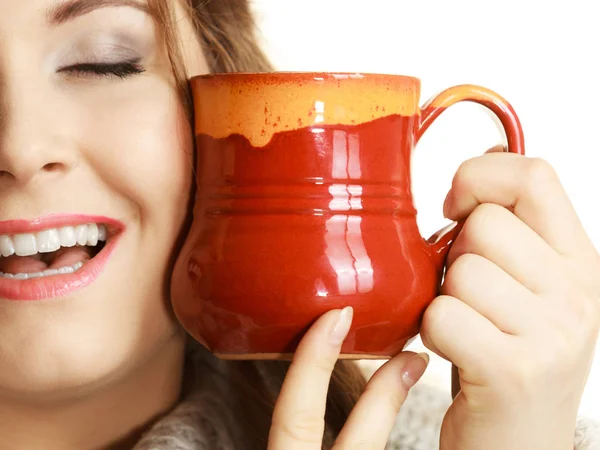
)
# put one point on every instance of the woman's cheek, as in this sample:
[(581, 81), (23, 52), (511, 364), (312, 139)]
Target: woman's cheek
[(140, 144)]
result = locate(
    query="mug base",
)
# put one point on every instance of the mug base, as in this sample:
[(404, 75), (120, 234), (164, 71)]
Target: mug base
[(289, 356)]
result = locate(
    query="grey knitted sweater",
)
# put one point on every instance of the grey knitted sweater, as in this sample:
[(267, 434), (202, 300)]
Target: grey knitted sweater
[(197, 423)]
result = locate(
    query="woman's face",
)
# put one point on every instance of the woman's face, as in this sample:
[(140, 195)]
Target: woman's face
[(93, 141)]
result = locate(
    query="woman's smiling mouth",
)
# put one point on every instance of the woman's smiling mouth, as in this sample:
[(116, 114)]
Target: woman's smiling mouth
[(50, 252), (53, 256)]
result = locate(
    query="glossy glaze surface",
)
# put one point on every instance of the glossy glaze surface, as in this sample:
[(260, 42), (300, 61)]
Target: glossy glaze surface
[(304, 205)]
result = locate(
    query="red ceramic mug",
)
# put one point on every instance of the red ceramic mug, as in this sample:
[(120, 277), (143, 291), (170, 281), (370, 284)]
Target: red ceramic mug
[(304, 204)]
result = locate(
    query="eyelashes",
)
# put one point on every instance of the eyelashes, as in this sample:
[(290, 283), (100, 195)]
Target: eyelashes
[(122, 70)]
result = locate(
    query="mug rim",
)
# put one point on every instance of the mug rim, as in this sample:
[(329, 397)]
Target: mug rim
[(305, 75)]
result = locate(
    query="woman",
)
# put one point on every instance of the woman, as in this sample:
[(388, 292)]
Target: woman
[(95, 179)]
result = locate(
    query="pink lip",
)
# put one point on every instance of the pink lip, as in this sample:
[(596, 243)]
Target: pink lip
[(59, 285)]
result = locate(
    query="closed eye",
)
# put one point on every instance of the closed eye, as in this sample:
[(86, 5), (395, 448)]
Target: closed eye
[(121, 70)]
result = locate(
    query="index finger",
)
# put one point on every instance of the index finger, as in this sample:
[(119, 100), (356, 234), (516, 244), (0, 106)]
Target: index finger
[(298, 418), (529, 187)]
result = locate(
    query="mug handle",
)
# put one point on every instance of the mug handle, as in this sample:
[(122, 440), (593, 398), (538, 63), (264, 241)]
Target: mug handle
[(440, 241)]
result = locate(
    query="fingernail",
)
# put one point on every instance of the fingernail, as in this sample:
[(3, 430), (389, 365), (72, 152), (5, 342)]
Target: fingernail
[(414, 369), (447, 204), (341, 326)]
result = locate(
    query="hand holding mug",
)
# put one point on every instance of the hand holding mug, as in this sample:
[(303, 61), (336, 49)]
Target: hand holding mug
[(298, 417), (520, 310)]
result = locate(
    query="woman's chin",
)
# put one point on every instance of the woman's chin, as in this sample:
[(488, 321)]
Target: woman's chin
[(73, 361)]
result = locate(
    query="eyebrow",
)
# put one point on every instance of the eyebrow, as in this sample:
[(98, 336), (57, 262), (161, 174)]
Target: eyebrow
[(74, 8)]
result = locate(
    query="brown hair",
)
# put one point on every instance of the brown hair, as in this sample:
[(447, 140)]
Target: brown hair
[(227, 33)]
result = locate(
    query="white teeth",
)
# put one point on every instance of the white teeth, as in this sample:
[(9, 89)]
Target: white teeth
[(6, 246), (47, 241), (92, 234), (81, 234), (67, 236), (25, 244), (64, 270), (101, 233), (46, 273)]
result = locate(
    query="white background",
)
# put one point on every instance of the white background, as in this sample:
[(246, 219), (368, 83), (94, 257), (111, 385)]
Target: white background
[(544, 57)]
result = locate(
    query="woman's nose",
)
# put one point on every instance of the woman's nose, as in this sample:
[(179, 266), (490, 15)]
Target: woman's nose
[(23, 160), (34, 143)]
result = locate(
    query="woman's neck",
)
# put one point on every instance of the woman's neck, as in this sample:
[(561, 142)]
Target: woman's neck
[(110, 417)]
